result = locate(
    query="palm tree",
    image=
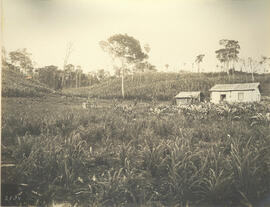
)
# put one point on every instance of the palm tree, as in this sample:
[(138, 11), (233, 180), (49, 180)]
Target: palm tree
[(198, 60)]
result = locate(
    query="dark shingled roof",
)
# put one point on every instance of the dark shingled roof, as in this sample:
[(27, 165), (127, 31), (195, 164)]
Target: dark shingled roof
[(188, 94), (235, 87)]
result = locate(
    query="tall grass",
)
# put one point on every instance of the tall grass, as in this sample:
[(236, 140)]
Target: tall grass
[(123, 156)]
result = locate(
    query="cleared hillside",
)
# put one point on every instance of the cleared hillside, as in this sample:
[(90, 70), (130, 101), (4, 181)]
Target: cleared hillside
[(164, 86), (14, 84)]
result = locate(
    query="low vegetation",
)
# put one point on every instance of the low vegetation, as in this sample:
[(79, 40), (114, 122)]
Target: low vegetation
[(164, 86), (136, 153), (15, 84)]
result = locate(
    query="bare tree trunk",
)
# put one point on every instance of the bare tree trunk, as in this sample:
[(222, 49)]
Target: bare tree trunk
[(233, 69), (123, 92), (76, 80), (80, 77), (67, 55), (252, 70), (63, 80)]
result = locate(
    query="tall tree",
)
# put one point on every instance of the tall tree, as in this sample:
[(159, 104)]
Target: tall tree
[(22, 59), (233, 48), (126, 49), (263, 62), (198, 60), (68, 52), (68, 75), (49, 75), (228, 55), (147, 50), (101, 74), (255, 64), (78, 74), (144, 66), (222, 57)]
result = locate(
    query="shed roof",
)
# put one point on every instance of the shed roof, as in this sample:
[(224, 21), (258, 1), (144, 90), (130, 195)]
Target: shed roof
[(188, 94), (235, 87)]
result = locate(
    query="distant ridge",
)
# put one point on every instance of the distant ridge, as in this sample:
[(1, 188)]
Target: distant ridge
[(164, 86)]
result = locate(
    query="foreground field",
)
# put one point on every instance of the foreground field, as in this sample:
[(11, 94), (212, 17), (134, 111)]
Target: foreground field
[(134, 153)]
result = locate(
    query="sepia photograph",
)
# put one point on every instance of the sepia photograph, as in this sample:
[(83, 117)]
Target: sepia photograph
[(135, 103)]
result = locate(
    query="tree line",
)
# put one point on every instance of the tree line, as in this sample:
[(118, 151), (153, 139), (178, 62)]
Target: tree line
[(70, 77), (228, 56), (129, 58)]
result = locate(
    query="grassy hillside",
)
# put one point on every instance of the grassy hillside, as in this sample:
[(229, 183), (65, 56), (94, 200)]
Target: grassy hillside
[(164, 86), (14, 84)]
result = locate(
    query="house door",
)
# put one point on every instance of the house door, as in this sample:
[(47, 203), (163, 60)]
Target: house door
[(223, 97)]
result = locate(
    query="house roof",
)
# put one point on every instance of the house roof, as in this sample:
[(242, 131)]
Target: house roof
[(235, 87), (188, 94)]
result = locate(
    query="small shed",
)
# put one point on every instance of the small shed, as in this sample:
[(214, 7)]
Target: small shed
[(188, 97), (240, 92)]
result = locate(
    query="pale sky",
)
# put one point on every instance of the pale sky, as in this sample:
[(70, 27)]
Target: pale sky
[(176, 30)]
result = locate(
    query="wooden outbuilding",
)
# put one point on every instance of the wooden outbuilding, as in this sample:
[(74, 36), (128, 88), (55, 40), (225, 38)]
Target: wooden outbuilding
[(240, 92), (188, 97)]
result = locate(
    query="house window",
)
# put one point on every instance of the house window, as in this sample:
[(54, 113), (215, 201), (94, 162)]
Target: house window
[(241, 96)]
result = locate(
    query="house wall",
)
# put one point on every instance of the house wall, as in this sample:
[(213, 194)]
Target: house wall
[(180, 101), (233, 96)]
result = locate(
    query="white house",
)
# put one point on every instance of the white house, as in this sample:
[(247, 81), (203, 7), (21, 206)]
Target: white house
[(188, 97), (240, 92)]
